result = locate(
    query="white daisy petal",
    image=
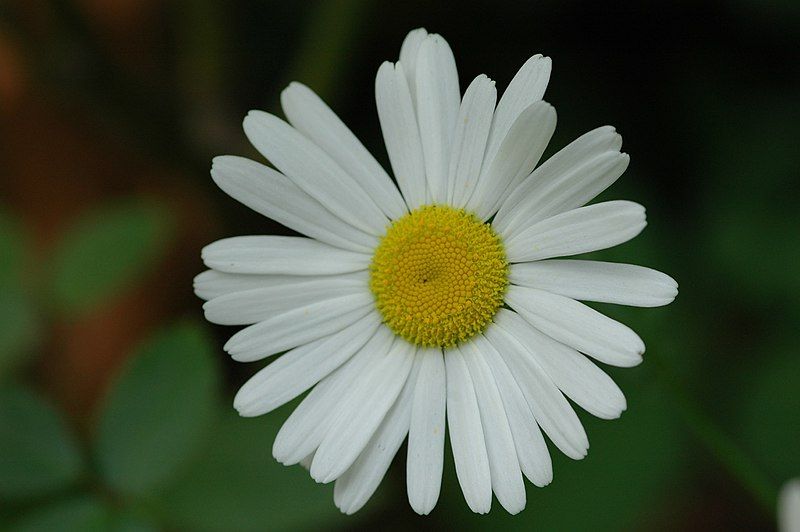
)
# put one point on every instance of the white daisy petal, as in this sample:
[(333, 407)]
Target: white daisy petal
[(362, 411), (298, 326), (438, 98), (466, 434), (426, 433), (604, 282), (577, 325), (516, 157), (306, 427), (288, 255), (275, 196), (355, 487), (260, 304), (312, 117), (789, 506), (301, 368), (568, 179), (590, 228), (314, 171), (573, 373), (408, 57), (211, 283), (506, 476), (469, 141), (534, 458), (527, 87), (401, 133), (569, 191), (551, 409)]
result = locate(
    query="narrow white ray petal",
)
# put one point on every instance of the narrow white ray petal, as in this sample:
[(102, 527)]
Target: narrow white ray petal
[(438, 98), (789, 506), (590, 228), (401, 133), (313, 118), (534, 458), (299, 326), (551, 409), (261, 304), (288, 255), (574, 374), (605, 282), (527, 87), (571, 170), (567, 191), (516, 157), (362, 411), (301, 368), (466, 434), (426, 433), (577, 325), (469, 142), (306, 427), (538, 133), (408, 56), (211, 283), (355, 487), (311, 169), (504, 465), (275, 196)]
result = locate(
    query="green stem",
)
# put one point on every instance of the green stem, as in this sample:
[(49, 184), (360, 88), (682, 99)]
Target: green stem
[(730, 455)]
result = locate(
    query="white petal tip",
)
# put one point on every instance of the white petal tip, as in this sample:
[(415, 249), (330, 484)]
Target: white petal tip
[(245, 408), (632, 361), (423, 507), (514, 508)]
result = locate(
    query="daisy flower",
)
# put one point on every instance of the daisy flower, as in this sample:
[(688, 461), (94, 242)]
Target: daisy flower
[(435, 301)]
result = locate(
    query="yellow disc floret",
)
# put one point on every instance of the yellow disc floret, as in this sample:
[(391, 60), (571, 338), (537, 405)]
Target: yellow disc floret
[(438, 275)]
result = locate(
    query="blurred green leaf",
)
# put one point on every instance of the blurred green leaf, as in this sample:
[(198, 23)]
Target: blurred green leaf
[(740, 244), (129, 522), (81, 514), (631, 464), (238, 485), (769, 424), (106, 250), (327, 43), (38, 455), (18, 320), (12, 244), (158, 411), (19, 327)]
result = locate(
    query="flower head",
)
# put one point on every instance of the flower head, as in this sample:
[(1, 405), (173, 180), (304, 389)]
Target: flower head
[(438, 295)]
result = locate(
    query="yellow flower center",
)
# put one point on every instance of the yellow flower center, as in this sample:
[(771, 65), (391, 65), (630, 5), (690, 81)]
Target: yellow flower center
[(438, 276)]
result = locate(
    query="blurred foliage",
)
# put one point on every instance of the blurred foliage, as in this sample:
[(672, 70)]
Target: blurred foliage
[(18, 319), (167, 454), (105, 250), (258, 493), (159, 411), (38, 455), (78, 514), (769, 411)]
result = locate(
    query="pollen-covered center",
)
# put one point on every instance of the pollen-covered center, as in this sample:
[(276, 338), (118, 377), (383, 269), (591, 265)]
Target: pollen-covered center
[(438, 276)]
